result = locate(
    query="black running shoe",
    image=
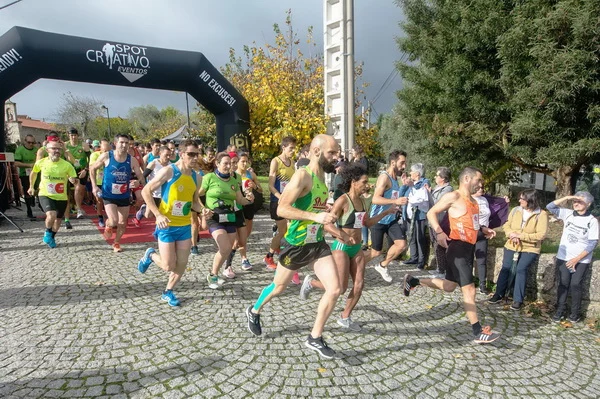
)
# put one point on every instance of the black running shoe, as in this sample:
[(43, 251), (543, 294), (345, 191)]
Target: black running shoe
[(406, 286), (68, 224), (486, 336), (495, 299), (253, 321), (318, 345)]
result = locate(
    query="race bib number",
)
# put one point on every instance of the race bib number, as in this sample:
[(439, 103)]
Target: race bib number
[(27, 171), (77, 163), (476, 222), (395, 194), (181, 208), (227, 218), (359, 220), (118, 188), (282, 185), (55, 188), (311, 233)]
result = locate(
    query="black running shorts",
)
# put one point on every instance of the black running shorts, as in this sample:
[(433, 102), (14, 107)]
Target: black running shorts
[(273, 210), (394, 230), (459, 258), (58, 206), (294, 257)]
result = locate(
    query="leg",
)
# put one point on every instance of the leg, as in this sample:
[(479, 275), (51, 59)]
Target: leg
[(276, 241), (50, 219), (122, 214), (502, 283), (481, 247), (280, 282), (357, 271), (112, 215), (224, 242), (468, 292), (439, 284), (79, 194), (326, 272), (526, 259), (182, 253), (195, 229), (577, 289), (394, 251), (166, 258), (564, 280), (412, 246), (242, 240)]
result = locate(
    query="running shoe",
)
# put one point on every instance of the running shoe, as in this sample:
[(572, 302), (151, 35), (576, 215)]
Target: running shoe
[(516, 306), (146, 260), (408, 284), (306, 287), (139, 215), (194, 250), (52, 243), (495, 299), (80, 213), (384, 272), (117, 248), (557, 318), (269, 262), (253, 321), (108, 232), (574, 319), (47, 237), (296, 279), (135, 222), (101, 223), (486, 336), (68, 225), (348, 324), (169, 297), (483, 289), (228, 272), (246, 265), (213, 281), (320, 346)]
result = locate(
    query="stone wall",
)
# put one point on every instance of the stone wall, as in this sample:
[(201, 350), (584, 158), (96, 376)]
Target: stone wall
[(542, 281)]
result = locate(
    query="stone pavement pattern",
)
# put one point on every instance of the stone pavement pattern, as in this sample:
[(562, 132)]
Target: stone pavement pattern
[(80, 321)]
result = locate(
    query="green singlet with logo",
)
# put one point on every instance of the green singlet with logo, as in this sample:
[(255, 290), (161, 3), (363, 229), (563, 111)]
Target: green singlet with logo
[(81, 157), (302, 232)]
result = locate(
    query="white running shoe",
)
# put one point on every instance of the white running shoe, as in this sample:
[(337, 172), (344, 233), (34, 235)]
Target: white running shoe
[(306, 287), (228, 272), (348, 323), (384, 272), (80, 213)]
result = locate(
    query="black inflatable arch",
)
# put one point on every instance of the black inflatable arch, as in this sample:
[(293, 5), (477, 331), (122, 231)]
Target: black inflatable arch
[(27, 55)]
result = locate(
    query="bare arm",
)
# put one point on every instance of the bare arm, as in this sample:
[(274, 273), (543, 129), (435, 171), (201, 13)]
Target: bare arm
[(383, 183), (272, 176), (445, 203), (161, 178), (300, 185), (135, 166)]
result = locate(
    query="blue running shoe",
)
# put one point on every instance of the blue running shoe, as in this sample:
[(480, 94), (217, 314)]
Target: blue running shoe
[(146, 260), (47, 238), (169, 297), (101, 223), (139, 215), (52, 243)]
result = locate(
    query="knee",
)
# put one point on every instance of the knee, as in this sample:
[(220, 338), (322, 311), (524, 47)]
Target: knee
[(334, 292), (279, 288)]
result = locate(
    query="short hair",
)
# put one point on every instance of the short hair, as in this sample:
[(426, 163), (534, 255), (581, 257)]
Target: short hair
[(287, 141), (395, 154), (305, 148), (444, 173), (154, 141), (244, 154), (468, 171), (221, 155), (209, 149), (532, 198), (187, 143), (72, 130), (418, 168), (163, 142), (587, 197), (119, 135), (163, 148), (349, 173)]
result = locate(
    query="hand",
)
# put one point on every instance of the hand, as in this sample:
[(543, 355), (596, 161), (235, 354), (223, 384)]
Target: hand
[(515, 241), (95, 191), (162, 221), (325, 218), (30, 191), (514, 235), (250, 197), (401, 201), (82, 174), (207, 213), (406, 180), (506, 199), (442, 239), (571, 264), (488, 233), (392, 209)]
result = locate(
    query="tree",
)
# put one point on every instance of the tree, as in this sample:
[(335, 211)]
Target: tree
[(204, 126), (78, 111), (149, 122), (284, 89), (98, 128), (499, 84)]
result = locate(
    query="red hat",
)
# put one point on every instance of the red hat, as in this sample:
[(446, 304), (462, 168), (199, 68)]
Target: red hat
[(52, 138), (233, 154)]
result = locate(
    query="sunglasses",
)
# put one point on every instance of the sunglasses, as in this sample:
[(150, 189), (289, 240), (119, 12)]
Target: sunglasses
[(192, 154), (30, 142), (53, 148)]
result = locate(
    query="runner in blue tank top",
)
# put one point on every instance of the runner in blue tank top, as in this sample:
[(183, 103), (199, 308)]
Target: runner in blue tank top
[(389, 193)]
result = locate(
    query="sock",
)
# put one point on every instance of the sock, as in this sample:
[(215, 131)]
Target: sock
[(53, 234), (263, 295), (49, 230), (100, 217), (269, 254), (167, 291), (414, 282), (66, 220), (230, 258), (476, 328)]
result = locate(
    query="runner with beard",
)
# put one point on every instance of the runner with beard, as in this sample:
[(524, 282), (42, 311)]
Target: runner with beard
[(463, 213), (304, 203)]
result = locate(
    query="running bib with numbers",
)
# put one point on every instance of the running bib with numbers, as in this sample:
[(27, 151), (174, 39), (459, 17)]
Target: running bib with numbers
[(181, 208), (77, 164), (58, 188), (311, 233), (118, 188), (358, 219), (227, 218), (476, 222), (283, 184), (395, 194)]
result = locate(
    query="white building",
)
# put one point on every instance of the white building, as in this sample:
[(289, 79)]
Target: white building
[(19, 126)]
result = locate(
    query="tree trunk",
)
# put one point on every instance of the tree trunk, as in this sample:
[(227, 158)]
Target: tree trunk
[(564, 184)]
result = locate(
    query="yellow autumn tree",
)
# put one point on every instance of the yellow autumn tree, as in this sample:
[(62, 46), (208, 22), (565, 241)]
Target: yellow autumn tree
[(284, 89)]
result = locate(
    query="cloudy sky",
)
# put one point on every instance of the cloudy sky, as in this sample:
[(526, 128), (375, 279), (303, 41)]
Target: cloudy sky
[(210, 27)]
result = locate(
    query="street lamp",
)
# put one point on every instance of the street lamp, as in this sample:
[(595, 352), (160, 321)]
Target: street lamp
[(108, 116)]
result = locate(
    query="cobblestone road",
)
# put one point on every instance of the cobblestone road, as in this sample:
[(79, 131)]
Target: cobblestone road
[(80, 321)]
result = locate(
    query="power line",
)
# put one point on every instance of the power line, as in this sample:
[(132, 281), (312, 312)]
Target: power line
[(10, 4)]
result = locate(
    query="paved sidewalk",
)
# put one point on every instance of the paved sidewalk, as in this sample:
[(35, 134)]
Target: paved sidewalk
[(80, 321)]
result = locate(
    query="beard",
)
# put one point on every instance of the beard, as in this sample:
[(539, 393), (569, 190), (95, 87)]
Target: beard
[(328, 167), (54, 157), (474, 189)]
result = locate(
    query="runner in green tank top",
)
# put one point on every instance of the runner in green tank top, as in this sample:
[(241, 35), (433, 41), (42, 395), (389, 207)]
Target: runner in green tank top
[(303, 203)]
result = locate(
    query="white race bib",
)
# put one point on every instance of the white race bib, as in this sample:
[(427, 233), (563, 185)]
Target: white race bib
[(118, 188), (27, 171), (311, 233), (282, 185), (358, 220), (395, 194), (77, 163), (55, 188), (476, 222), (179, 208)]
